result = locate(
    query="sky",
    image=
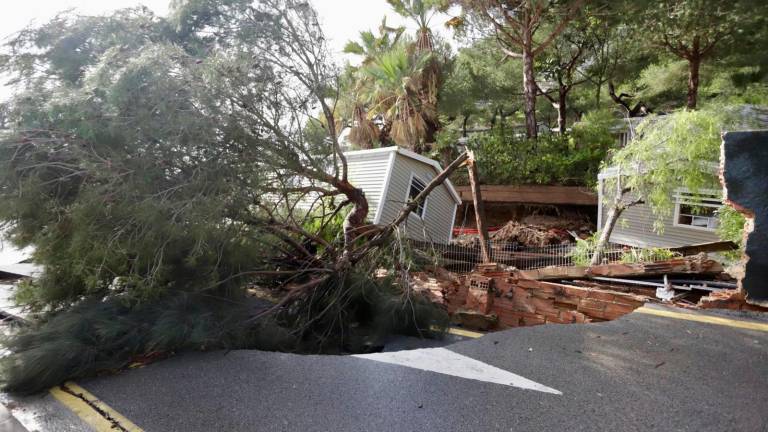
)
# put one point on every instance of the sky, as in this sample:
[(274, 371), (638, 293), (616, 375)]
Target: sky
[(342, 20)]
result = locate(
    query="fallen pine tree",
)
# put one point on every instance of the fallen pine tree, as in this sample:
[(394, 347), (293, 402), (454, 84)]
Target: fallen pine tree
[(165, 169)]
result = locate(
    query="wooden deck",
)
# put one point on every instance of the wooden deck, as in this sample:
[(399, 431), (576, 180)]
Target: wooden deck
[(566, 195)]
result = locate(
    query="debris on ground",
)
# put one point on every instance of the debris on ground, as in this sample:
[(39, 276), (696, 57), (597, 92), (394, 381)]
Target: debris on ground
[(530, 235), (439, 285), (567, 221), (533, 231), (728, 299), (696, 264), (495, 296)]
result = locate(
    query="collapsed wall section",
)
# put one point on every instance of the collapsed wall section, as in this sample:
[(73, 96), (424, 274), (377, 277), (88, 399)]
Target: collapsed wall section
[(516, 301), (745, 179)]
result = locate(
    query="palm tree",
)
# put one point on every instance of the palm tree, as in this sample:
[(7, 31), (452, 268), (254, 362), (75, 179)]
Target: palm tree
[(371, 46), (397, 83), (364, 132), (392, 90), (431, 76)]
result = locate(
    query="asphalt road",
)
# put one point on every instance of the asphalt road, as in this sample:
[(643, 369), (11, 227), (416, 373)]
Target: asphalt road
[(640, 372)]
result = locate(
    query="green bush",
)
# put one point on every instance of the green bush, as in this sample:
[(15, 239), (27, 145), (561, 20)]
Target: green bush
[(636, 255), (581, 254), (99, 335), (507, 158)]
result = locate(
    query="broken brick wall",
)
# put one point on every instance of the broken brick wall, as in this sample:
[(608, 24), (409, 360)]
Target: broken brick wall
[(441, 287), (510, 299), (516, 301), (523, 302), (745, 179)]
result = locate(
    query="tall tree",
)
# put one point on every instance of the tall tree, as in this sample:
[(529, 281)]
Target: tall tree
[(693, 29), (159, 166), (399, 82), (516, 25), (560, 63), (431, 77)]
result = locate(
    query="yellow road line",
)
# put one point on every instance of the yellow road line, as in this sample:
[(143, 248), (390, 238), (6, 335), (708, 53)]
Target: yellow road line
[(465, 333), (750, 325), (91, 410)]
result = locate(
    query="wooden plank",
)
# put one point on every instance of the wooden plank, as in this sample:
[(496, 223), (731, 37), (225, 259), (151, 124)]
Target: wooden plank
[(477, 201), (718, 246), (532, 194), (573, 272), (697, 264)]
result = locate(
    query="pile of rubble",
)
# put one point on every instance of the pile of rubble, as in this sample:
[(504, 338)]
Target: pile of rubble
[(530, 235), (495, 296), (535, 231)]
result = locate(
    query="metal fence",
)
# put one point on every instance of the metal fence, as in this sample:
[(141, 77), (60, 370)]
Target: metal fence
[(463, 258)]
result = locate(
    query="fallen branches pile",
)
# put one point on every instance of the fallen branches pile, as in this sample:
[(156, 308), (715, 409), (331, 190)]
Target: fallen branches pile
[(167, 170)]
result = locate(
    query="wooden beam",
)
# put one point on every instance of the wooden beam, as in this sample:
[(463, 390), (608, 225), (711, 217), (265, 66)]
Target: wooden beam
[(477, 200), (532, 194)]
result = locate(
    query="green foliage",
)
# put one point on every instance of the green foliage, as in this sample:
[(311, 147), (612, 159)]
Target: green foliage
[(479, 86), (507, 158), (731, 224), (147, 173), (581, 254), (106, 335), (323, 223), (638, 255), (674, 151), (368, 310)]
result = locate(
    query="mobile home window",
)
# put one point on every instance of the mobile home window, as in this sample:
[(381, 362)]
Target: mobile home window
[(413, 191), (697, 211)]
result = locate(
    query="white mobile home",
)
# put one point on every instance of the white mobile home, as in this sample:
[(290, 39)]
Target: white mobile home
[(683, 227), (390, 176)]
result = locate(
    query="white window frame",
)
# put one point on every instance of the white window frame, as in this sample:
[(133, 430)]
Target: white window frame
[(423, 214), (708, 198)]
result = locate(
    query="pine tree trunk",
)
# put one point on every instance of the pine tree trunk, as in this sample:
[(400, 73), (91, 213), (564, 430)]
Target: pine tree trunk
[(694, 63), (529, 86), (477, 200), (561, 110)]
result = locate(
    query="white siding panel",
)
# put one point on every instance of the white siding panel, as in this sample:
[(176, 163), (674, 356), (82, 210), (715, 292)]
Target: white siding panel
[(635, 228), (367, 172), (440, 207)]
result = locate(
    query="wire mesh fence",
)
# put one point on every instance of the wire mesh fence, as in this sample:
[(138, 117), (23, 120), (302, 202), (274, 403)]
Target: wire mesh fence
[(464, 258)]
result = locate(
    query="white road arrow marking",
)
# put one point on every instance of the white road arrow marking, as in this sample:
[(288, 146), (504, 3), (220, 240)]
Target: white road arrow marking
[(447, 362)]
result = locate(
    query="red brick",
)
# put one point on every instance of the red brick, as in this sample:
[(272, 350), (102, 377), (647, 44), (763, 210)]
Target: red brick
[(576, 292), (591, 304), (479, 300), (593, 313), (629, 300), (502, 303), (553, 318), (570, 316), (542, 305), (534, 320), (542, 294), (528, 283), (615, 310), (601, 295), (567, 299)]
